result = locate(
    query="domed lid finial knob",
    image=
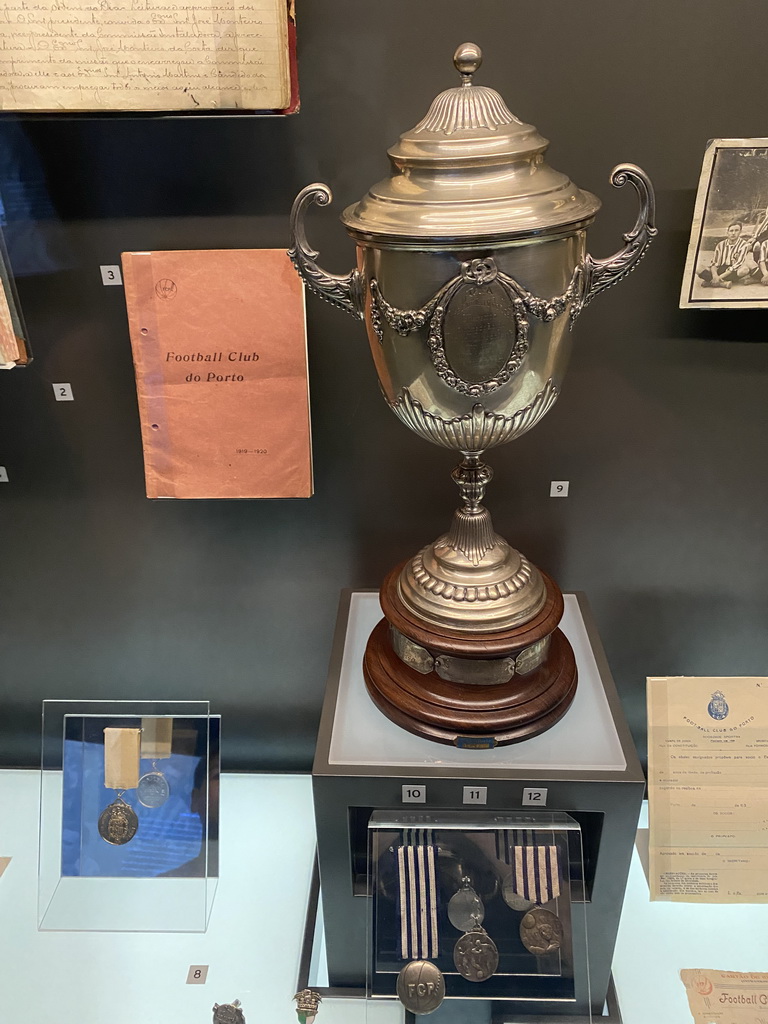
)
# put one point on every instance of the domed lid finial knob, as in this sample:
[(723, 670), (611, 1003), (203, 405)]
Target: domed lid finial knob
[(467, 60)]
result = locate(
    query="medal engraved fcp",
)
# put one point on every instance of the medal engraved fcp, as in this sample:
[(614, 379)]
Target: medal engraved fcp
[(420, 987)]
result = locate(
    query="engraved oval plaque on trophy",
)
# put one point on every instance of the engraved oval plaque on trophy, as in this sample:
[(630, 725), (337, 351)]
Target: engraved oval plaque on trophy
[(479, 331)]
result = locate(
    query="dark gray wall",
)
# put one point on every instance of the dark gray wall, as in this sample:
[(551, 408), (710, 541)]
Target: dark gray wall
[(661, 428)]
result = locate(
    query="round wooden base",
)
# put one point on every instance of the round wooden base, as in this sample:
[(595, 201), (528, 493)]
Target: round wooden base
[(469, 715)]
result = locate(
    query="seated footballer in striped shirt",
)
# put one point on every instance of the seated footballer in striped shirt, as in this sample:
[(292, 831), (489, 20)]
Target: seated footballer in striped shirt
[(759, 253), (730, 261), (760, 256)]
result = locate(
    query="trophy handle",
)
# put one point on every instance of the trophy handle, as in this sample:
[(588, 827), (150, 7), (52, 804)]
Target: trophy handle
[(343, 290), (597, 275)]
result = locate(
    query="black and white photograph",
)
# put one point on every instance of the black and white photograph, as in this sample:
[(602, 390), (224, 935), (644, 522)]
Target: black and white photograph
[(727, 264)]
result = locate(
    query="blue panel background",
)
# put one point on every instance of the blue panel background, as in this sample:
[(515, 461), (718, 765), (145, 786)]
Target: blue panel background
[(168, 837)]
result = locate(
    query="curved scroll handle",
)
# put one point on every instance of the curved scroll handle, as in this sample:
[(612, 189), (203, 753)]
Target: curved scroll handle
[(345, 291), (597, 275)]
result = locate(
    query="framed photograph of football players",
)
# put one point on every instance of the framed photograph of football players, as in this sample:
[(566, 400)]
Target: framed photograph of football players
[(727, 264)]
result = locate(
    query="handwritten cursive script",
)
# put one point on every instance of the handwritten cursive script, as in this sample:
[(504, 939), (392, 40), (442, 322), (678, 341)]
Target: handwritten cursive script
[(143, 55)]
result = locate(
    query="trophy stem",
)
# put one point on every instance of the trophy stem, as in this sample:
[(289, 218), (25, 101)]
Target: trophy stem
[(470, 580), (472, 477), (472, 531)]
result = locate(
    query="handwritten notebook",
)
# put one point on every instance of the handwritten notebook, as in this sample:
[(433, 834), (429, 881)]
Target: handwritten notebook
[(99, 55), (219, 348)]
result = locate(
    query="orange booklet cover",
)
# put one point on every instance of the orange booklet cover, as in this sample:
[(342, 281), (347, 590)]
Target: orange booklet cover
[(219, 347)]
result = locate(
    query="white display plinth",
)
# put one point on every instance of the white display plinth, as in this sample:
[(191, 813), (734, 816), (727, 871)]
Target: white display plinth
[(585, 738)]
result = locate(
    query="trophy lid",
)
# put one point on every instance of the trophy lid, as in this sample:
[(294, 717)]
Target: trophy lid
[(469, 171)]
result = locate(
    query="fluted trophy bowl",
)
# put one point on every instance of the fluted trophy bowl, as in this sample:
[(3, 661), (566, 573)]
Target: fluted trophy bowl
[(471, 272)]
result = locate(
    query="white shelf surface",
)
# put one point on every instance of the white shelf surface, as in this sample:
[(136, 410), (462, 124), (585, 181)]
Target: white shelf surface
[(585, 738), (253, 943), (252, 946)]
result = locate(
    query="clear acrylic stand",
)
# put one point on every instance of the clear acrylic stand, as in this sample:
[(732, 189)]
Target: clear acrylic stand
[(164, 877)]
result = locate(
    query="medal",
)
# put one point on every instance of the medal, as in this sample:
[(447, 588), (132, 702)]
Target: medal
[(228, 1013), (465, 908), (420, 987), (513, 899), (541, 932), (476, 956), (153, 789), (118, 822)]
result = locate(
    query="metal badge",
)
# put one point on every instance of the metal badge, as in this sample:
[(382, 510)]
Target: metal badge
[(541, 931), (118, 823), (153, 789), (476, 956), (228, 1013), (307, 1005), (465, 908), (513, 899), (420, 987)]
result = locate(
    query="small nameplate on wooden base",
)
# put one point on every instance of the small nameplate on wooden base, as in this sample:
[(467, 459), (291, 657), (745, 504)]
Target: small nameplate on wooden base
[(475, 742)]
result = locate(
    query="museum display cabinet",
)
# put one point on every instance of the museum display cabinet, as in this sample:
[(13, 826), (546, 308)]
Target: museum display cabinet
[(448, 822)]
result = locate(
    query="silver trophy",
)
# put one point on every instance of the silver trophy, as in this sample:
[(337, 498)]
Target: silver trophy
[(471, 272)]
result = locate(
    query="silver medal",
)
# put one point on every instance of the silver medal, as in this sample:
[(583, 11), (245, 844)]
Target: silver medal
[(476, 956), (153, 789), (541, 931), (420, 987), (118, 823), (513, 899), (465, 909)]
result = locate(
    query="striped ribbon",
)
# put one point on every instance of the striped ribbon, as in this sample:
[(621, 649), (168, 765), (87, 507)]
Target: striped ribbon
[(416, 865), (535, 873), (535, 868)]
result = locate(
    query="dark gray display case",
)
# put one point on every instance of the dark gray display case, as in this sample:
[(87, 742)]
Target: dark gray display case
[(586, 765)]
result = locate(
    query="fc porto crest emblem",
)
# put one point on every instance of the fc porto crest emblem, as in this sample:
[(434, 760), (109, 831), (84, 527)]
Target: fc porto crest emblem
[(718, 707)]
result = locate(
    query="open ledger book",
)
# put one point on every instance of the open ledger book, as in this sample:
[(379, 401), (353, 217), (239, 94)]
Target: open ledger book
[(145, 55)]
